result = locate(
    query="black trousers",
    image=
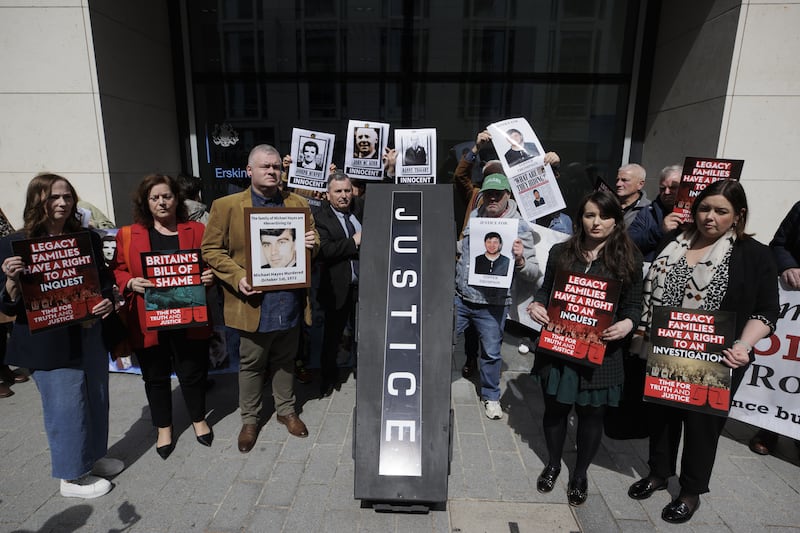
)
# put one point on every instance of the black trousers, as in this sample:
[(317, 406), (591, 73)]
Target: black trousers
[(335, 322), (701, 435), (189, 359)]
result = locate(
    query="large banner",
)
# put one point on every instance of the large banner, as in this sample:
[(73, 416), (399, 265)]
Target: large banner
[(60, 284), (684, 360), (769, 396)]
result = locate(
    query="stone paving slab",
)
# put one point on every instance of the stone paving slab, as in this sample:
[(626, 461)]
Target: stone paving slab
[(288, 485)]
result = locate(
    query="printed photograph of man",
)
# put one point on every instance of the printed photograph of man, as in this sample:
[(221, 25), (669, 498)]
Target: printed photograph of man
[(415, 154), (109, 248), (537, 198), (520, 150), (278, 248), (366, 143), (492, 262), (308, 156)]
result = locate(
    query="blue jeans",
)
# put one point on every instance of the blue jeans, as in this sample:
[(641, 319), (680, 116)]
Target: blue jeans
[(75, 408), (489, 321)]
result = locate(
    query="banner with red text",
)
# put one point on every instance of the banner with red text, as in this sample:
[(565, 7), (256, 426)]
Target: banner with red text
[(769, 396), (684, 362), (699, 173), (581, 307), (60, 284), (178, 298)]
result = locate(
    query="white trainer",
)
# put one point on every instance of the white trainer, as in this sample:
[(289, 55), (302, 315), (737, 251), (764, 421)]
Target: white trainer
[(492, 409), (87, 486), (108, 467)]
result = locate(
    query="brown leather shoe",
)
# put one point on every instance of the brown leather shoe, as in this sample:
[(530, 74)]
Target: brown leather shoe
[(5, 390), (12, 376), (293, 423), (247, 437)]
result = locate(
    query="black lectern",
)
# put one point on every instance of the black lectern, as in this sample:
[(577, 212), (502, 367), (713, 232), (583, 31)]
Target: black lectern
[(402, 428)]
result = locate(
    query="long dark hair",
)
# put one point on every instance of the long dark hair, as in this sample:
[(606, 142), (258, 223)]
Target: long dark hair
[(141, 206), (732, 191), (618, 253), (35, 217)]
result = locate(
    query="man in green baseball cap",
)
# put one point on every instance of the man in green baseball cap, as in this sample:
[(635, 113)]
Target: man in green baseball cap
[(485, 308)]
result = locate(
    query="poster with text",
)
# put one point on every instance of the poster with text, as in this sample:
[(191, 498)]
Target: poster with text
[(699, 173), (581, 307), (366, 143), (532, 182), (416, 156), (769, 396), (491, 261), (178, 298), (277, 256), (312, 153), (684, 360), (522, 290), (60, 284)]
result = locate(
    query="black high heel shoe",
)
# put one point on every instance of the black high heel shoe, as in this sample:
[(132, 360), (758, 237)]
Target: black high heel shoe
[(166, 450), (206, 439)]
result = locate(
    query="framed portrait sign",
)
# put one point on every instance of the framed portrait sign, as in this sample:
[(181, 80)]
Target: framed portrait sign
[(277, 258)]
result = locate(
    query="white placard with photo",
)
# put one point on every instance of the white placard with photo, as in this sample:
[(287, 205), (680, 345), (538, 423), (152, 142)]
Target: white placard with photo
[(491, 261), (312, 153), (366, 143), (533, 183), (416, 156)]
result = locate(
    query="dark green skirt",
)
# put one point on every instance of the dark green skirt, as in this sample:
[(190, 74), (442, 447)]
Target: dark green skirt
[(564, 383)]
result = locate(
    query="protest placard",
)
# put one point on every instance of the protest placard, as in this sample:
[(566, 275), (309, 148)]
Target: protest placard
[(312, 153), (416, 156), (699, 173), (365, 146), (581, 307), (178, 298), (684, 359), (60, 284)]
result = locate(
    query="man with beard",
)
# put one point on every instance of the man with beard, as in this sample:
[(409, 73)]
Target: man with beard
[(656, 219)]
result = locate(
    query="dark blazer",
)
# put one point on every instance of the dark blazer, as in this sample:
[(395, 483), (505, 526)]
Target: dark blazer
[(752, 290), (190, 235), (53, 348), (785, 244), (335, 252)]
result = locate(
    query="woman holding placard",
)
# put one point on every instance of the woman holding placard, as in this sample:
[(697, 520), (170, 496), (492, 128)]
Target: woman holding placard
[(68, 363), (599, 247), (714, 266), (161, 224)]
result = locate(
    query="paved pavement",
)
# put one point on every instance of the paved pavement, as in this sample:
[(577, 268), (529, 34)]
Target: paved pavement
[(306, 485)]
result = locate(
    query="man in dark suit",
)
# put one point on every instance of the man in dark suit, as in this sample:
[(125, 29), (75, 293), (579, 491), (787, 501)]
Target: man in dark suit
[(339, 225), (415, 154), (492, 262)]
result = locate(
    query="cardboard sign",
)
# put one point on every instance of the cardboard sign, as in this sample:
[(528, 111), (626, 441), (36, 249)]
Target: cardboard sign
[(684, 360), (581, 307), (60, 284), (699, 173), (178, 299)]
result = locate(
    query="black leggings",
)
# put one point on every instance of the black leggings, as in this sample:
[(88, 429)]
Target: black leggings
[(590, 432)]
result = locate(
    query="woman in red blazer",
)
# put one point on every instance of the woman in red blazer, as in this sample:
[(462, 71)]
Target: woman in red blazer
[(161, 223)]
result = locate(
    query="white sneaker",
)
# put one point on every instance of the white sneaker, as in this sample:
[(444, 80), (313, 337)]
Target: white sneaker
[(108, 467), (492, 409), (87, 486)]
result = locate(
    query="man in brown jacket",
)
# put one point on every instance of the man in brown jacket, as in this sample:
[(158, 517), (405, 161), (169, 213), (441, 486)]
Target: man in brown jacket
[(268, 322)]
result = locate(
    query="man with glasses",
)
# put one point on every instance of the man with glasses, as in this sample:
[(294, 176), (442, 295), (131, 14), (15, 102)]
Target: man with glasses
[(268, 322), (657, 218)]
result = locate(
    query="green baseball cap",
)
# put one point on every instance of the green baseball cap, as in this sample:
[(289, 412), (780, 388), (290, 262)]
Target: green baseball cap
[(495, 182)]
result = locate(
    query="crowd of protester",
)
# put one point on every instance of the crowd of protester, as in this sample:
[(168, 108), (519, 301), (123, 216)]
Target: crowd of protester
[(711, 263)]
